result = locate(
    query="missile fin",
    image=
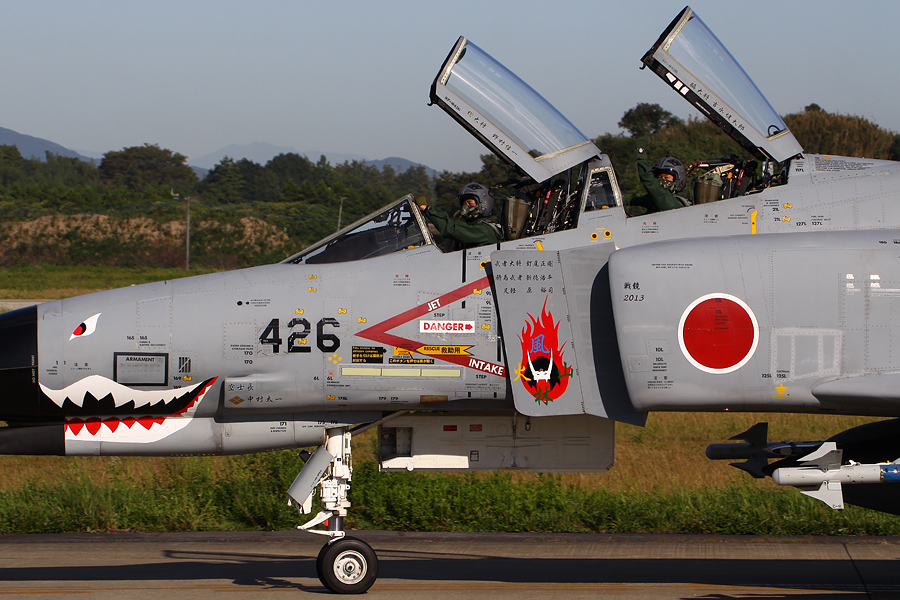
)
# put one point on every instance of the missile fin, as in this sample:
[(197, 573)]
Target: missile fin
[(756, 437), (830, 493), (827, 457)]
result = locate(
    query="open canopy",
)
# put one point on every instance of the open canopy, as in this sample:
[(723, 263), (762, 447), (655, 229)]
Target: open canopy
[(507, 115), (691, 59)]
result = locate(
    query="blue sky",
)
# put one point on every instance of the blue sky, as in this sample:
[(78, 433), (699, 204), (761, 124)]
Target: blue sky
[(353, 77)]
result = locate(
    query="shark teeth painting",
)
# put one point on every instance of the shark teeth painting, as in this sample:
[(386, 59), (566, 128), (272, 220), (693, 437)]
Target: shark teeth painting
[(98, 395)]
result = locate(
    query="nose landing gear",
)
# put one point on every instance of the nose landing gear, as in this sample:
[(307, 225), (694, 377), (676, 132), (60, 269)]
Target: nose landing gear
[(345, 565)]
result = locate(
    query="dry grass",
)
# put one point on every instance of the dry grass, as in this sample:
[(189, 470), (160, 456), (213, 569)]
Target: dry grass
[(67, 232), (17, 470)]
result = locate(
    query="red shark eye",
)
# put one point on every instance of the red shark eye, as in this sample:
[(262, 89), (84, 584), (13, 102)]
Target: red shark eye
[(80, 329)]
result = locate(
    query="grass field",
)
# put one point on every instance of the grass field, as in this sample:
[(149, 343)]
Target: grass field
[(662, 480), (49, 282)]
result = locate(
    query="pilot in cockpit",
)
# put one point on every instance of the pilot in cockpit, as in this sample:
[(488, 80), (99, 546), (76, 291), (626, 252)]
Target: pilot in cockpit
[(474, 224), (665, 185)]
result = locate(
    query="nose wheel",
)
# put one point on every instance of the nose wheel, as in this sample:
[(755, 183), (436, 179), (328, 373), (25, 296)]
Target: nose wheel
[(347, 566)]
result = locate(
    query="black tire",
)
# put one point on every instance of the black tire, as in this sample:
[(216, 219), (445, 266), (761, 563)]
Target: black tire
[(319, 560), (347, 566)]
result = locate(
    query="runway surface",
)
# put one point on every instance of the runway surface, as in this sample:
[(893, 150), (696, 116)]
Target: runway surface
[(228, 565), (16, 304)]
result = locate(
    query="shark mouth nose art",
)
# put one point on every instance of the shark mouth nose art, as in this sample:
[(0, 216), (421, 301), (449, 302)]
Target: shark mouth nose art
[(97, 395), (144, 422)]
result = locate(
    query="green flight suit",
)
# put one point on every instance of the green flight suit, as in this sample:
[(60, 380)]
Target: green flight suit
[(479, 232), (657, 197)]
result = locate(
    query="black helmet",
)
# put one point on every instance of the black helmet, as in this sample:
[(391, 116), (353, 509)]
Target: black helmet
[(484, 199), (673, 166)]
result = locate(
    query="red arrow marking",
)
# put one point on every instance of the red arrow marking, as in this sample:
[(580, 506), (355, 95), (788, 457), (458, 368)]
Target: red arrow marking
[(379, 333)]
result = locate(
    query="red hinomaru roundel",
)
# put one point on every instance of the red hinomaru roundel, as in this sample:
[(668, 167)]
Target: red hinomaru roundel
[(718, 333), (542, 370)]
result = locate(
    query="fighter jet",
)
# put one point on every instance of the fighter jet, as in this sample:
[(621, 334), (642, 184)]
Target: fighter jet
[(778, 290)]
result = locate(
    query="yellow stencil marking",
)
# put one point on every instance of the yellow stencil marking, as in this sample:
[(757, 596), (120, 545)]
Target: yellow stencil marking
[(444, 350)]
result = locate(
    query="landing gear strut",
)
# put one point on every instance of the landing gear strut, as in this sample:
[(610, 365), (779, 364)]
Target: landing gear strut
[(345, 565)]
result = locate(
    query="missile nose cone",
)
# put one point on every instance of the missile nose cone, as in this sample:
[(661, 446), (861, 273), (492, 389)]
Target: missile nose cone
[(19, 392)]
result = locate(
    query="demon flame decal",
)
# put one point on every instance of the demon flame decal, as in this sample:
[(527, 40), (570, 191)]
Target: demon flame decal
[(543, 372)]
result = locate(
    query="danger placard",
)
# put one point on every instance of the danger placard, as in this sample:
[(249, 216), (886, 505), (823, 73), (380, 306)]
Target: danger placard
[(446, 326)]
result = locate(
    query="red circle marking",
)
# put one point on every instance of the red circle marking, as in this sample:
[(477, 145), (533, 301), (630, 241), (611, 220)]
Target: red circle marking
[(718, 333)]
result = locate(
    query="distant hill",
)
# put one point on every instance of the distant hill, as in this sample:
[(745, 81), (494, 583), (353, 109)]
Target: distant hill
[(258, 152), (400, 165), (262, 152), (33, 147)]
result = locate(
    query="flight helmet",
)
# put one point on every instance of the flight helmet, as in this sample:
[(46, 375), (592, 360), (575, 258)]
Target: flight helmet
[(673, 166), (484, 199)]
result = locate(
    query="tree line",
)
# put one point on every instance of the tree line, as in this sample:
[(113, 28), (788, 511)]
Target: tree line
[(306, 200)]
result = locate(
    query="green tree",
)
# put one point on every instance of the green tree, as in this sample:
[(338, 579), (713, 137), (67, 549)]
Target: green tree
[(646, 119), (293, 166), (414, 180), (822, 132), (223, 184), (10, 155), (11, 165), (258, 184), (65, 171), (137, 167)]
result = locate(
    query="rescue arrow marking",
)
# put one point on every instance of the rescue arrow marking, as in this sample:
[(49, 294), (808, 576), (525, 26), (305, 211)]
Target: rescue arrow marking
[(444, 350)]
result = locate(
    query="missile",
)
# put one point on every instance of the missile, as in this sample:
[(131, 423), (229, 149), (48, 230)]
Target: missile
[(757, 450), (823, 474), (809, 476)]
